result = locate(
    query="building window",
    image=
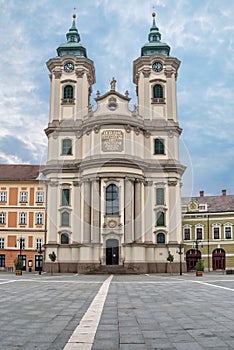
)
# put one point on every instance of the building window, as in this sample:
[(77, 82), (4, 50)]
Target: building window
[(39, 219), (23, 197), (216, 232), (158, 91), (21, 243), (112, 200), (64, 238), (159, 146), (3, 196), (228, 232), (68, 92), (38, 243), (2, 218), (199, 232), (67, 147), (160, 196), (160, 238), (187, 233), (65, 197), (160, 219), (65, 218), (2, 260), (23, 218), (39, 196), (2, 243)]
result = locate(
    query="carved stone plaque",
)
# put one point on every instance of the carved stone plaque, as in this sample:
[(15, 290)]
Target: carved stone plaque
[(112, 141)]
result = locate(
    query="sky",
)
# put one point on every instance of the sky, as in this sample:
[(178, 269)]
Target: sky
[(200, 34)]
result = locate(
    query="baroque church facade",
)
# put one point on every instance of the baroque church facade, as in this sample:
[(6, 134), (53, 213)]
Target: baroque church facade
[(113, 173)]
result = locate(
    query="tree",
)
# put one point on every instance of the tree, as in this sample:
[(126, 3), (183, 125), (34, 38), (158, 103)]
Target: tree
[(170, 258)]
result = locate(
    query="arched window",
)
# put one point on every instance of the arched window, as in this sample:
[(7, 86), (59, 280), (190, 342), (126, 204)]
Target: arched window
[(112, 200), (65, 219), (66, 147), (160, 219), (158, 91), (161, 238), (68, 92), (64, 238)]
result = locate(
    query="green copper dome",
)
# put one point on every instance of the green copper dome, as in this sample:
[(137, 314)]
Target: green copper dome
[(72, 46), (155, 46)]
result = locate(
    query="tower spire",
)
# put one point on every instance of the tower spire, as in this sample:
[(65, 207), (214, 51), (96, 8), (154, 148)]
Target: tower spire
[(72, 46), (155, 46)]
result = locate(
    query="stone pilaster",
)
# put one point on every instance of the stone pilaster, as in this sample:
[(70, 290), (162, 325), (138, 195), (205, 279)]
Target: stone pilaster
[(96, 211), (77, 222), (148, 192), (171, 219), (52, 219), (87, 212), (138, 211), (128, 210)]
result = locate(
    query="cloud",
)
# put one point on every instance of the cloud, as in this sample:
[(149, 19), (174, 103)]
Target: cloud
[(200, 33)]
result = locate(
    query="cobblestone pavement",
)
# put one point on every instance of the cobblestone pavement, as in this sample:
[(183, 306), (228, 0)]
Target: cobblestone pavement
[(142, 312)]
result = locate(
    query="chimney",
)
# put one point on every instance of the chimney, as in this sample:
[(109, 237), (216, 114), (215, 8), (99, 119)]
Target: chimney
[(201, 193), (224, 193)]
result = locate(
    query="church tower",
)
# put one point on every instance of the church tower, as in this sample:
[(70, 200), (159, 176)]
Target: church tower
[(113, 173)]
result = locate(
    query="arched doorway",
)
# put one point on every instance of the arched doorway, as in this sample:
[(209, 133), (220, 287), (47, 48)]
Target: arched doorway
[(112, 252), (192, 256), (218, 259)]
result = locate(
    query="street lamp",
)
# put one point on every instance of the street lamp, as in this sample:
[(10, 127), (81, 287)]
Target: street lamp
[(40, 260), (20, 240), (196, 244), (180, 252)]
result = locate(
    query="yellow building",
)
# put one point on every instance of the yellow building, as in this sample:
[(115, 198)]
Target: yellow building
[(22, 216), (208, 231)]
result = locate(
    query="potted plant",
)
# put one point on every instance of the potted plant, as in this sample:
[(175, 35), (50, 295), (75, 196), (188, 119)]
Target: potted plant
[(52, 257), (199, 267), (18, 266)]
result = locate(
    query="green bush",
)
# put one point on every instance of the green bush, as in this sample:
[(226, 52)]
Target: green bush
[(199, 265), (18, 264)]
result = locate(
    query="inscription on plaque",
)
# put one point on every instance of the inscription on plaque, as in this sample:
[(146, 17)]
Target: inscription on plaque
[(112, 141)]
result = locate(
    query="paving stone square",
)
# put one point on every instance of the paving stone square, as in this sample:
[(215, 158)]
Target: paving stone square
[(140, 312)]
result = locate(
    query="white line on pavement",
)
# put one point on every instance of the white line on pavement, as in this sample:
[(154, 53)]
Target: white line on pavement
[(8, 281), (83, 336), (213, 285)]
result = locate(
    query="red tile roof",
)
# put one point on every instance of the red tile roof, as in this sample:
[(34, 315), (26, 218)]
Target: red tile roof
[(19, 172)]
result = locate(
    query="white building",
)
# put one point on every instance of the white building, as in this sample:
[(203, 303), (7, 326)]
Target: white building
[(114, 174)]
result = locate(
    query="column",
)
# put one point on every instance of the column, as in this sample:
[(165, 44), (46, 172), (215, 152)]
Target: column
[(148, 211), (57, 97), (128, 210), (87, 212), (138, 211), (77, 212), (52, 212), (171, 218), (147, 97), (169, 95), (96, 211)]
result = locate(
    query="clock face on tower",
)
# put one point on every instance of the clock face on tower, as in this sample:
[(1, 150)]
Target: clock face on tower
[(69, 67), (157, 66)]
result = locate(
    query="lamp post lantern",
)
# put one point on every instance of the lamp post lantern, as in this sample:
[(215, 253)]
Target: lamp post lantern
[(40, 259), (180, 252)]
